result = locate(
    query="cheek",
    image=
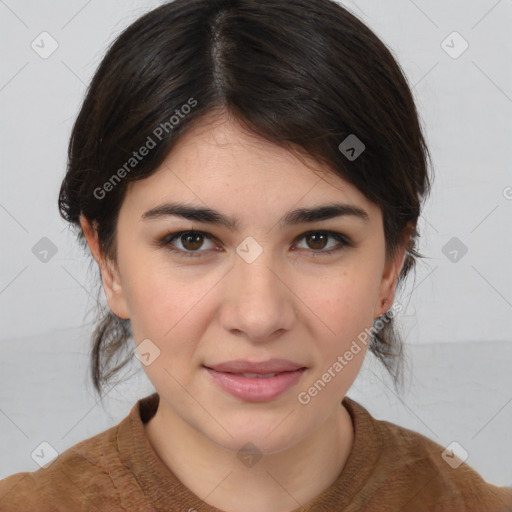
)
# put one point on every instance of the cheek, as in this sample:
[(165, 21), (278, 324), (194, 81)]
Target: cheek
[(343, 314), (166, 309), (164, 301), (343, 305), (171, 301)]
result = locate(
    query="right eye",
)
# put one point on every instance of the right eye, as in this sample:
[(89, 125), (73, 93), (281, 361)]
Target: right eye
[(191, 241)]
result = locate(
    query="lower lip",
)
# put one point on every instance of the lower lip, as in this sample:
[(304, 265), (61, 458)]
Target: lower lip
[(256, 389)]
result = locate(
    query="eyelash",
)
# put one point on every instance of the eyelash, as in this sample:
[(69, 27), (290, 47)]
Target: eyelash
[(167, 240)]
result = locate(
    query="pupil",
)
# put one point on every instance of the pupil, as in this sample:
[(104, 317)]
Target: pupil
[(318, 236), (192, 236)]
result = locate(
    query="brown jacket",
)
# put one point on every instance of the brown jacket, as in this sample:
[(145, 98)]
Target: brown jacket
[(390, 468)]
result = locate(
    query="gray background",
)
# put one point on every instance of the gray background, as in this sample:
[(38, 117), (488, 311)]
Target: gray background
[(457, 314)]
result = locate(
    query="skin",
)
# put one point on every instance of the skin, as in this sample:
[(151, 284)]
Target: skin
[(217, 307)]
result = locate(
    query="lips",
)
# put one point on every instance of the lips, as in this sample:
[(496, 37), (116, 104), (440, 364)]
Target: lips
[(260, 369), (256, 389)]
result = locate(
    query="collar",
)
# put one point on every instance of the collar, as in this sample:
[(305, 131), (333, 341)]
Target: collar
[(163, 489)]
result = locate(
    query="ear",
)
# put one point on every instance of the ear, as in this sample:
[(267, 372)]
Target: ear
[(109, 271), (392, 269)]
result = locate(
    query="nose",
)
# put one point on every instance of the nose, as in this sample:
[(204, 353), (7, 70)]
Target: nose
[(258, 303)]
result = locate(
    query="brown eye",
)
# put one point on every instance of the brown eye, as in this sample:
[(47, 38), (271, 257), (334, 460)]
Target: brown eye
[(317, 240), (192, 241)]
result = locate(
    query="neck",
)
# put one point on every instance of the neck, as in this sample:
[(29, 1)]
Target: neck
[(277, 482)]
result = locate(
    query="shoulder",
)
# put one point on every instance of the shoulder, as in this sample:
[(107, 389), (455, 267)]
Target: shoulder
[(72, 481), (453, 480), (412, 469)]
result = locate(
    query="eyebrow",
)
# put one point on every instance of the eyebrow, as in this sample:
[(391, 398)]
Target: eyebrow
[(293, 217)]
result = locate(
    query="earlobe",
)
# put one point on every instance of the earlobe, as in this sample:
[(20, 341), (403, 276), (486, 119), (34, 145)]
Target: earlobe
[(114, 290), (109, 273)]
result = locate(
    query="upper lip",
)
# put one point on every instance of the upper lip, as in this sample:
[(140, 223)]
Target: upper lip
[(262, 367)]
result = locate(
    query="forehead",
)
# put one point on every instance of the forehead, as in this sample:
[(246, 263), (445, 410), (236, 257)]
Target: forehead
[(218, 164)]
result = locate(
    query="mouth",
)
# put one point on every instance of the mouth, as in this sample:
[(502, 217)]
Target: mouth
[(258, 368), (256, 387), (256, 375)]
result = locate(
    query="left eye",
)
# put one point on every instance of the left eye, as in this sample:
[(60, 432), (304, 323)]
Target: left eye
[(191, 241)]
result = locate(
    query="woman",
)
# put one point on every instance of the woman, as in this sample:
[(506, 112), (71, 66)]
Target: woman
[(248, 175)]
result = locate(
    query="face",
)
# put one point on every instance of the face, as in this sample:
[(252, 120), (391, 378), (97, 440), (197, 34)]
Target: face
[(264, 289)]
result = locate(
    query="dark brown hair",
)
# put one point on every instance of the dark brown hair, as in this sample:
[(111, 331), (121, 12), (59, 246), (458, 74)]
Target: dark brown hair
[(302, 74)]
